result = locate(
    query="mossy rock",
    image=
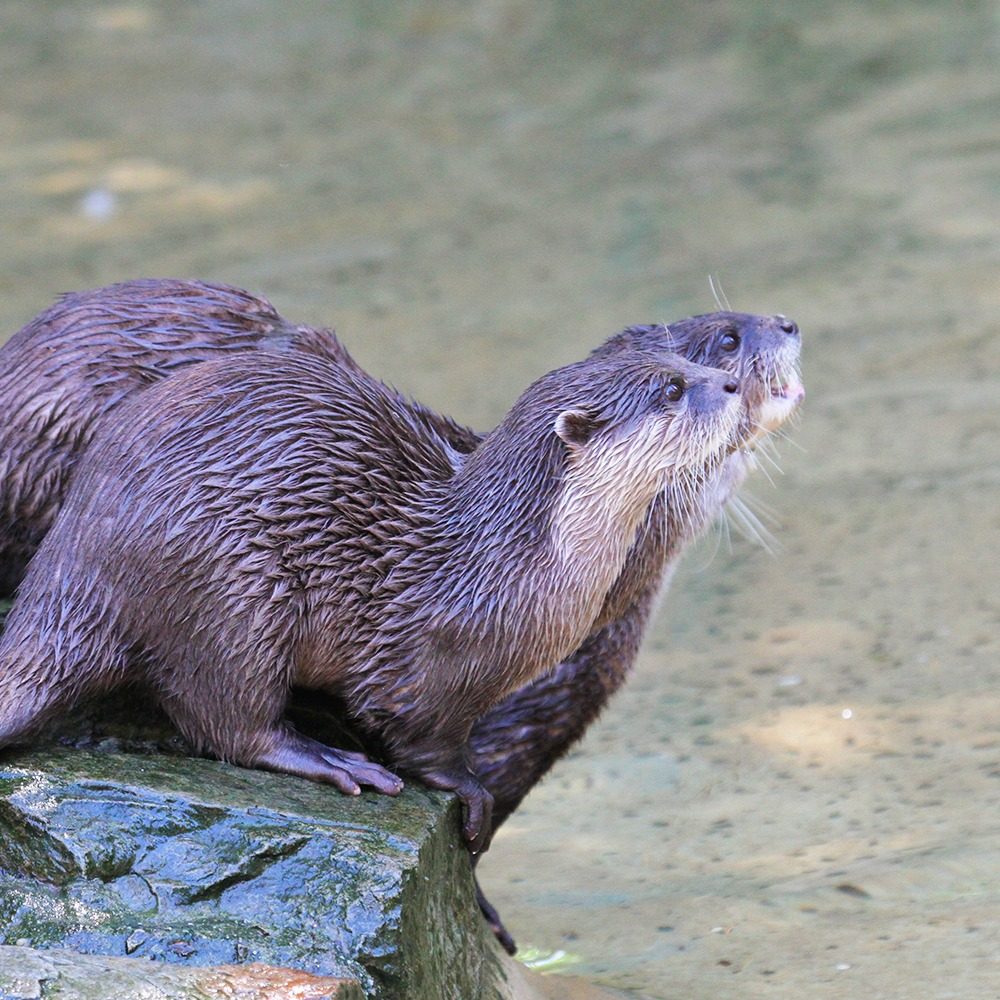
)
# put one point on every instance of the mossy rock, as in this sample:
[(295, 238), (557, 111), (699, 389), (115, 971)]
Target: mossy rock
[(195, 862), (130, 869)]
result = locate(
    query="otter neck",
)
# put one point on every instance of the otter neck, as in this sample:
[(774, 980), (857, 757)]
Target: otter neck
[(536, 541), (597, 516)]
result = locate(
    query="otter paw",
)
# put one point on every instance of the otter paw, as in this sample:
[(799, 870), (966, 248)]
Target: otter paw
[(477, 804), (478, 808)]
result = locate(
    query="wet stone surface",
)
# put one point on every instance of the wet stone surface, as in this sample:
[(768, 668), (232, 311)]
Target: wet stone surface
[(191, 861)]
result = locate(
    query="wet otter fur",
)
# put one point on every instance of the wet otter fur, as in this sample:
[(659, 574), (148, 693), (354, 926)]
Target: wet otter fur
[(82, 357), (242, 527)]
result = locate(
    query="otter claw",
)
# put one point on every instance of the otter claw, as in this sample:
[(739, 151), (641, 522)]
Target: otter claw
[(361, 771)]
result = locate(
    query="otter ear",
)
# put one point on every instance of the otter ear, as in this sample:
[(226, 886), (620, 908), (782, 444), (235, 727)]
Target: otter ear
[(575, 427)]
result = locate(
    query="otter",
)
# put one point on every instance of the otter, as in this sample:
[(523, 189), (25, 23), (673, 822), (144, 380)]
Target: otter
[(242, 527)]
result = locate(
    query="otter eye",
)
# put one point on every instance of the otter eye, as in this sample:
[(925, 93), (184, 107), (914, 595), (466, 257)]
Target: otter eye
[(674, 389), (729, 341)]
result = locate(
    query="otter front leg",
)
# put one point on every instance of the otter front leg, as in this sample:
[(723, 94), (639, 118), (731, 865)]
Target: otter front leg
[(248, 728), (417, 711)]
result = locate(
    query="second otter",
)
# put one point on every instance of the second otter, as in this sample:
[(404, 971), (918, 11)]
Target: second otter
[(240, 528)]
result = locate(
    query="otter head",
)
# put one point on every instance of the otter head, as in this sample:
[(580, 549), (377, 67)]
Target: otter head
[(636, 424), (643, 416), (604, 435), (762, 352)]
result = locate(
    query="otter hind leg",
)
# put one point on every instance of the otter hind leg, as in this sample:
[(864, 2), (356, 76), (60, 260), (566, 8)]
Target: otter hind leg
[(22, 713), (28, 701), (58, 646)]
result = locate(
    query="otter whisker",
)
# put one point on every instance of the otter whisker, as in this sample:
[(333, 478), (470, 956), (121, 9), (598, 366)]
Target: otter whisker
[(717, 293), (766, 449), (719, 533), (786, 438), (768, 464), (724, 530), (764, 511), (759, 465), (750, 525)]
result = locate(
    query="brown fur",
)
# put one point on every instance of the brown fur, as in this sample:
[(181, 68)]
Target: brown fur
[(81, 358), (242, 527)]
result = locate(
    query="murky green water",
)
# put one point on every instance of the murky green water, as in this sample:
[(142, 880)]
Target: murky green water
[(798, 793)]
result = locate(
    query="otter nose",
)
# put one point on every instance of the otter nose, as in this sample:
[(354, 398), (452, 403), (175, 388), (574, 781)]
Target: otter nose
[(789, 326), (730, 387)]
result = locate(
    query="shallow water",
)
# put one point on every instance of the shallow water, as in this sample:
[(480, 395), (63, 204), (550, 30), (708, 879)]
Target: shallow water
[(799, 789)]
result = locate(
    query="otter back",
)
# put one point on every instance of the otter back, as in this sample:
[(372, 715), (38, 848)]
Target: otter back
[(81, 358)]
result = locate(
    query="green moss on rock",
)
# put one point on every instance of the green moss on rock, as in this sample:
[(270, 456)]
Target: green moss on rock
[(194, 862)]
